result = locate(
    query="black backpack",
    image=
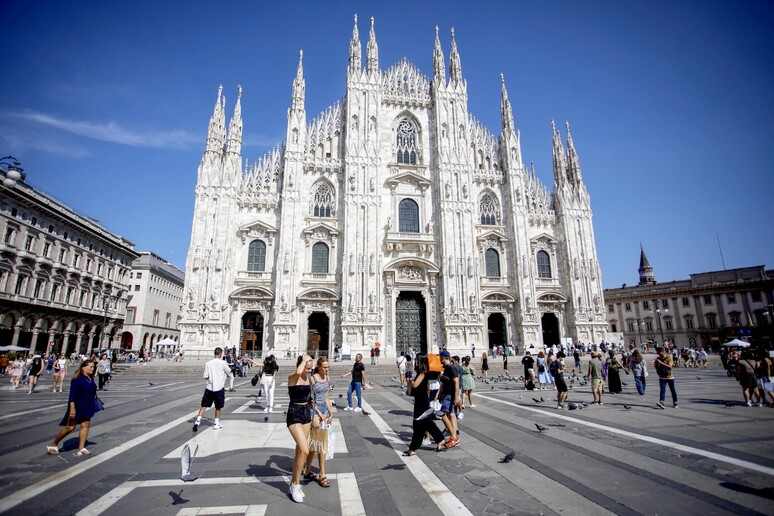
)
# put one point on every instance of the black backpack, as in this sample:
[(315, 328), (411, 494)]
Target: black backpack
[(553, 367)]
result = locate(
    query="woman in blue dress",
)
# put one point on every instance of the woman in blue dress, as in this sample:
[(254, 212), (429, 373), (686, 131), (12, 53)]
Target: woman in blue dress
[(80, 409)]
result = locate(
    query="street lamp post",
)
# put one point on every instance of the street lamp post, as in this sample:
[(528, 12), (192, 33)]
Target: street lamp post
[(104, 323), (639, 330), (12, 170), (658, 313)]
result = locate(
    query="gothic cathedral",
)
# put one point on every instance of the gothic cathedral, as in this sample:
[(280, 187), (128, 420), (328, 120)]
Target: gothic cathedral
[(394, 217)]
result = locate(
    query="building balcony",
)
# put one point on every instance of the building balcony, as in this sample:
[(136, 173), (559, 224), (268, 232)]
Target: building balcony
[(8, 248), (494, 281), (253, 278), (421, 243), (318, 279)]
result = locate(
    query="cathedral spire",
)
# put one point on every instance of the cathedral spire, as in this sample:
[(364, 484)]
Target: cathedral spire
[(439, 66), (455, 67), (216, 132), (299, 86), (235, 126), (506, 113), (558, 156), (372, 58), (355, 51), (646, 271), (573, 162)]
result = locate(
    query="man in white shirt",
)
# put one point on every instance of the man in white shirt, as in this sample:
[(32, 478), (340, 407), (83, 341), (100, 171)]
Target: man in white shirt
[(401, 362), (216, 371)]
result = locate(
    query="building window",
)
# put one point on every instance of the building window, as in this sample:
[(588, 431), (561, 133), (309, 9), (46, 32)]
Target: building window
[(628, 307), (736, 318), (686, 302), (155, 317), (70, 291), (28, 243), (129, 316), (630, 326), (168, 323), (408, 216), (648, 326), (320, 258), (755, 295), (46, 249), (707, 300), (665, 303), (256, 256), (38, 288), (731, 298), (492, 259), (613, 328), (323, 200), (407, 142), (610, 309), (646, 305), (19, 285), (668, 324), (712, 322), (543, 264), (139, 275), (136, 288), (488, 210), (54, 292), (9, 233)]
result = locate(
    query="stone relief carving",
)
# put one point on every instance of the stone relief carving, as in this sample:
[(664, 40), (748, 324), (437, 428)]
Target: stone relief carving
[(408, 272)]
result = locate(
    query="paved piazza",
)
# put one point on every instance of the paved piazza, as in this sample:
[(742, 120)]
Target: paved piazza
[(703, 458)]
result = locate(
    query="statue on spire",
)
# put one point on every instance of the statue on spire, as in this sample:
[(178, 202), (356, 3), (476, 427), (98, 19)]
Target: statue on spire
[(506, 112), (372, 59)]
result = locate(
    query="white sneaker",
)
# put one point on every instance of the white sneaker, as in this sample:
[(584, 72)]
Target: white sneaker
[(358, 409), (271, 410), (217, 426), (296, 493), (266, 409), (348, 409)]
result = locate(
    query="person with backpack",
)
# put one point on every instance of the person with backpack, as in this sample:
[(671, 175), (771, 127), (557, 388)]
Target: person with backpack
[(401, 363)]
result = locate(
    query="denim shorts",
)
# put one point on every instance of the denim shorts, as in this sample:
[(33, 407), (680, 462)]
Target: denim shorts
[(323, 408), (299, 414), (447, 405)]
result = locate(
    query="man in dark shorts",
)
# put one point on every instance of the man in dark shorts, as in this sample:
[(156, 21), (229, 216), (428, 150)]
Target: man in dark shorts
[(529, 369), (215, 371), (576, 357), (561, 385), (450, 392)]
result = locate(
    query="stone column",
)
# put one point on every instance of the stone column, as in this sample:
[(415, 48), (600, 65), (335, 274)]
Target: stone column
[(78, 341), (90, 342), (34, 340), (16, 334), (66, 342)]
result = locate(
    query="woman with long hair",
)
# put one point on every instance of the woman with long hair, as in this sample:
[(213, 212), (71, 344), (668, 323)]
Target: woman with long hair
[(544, 377), (323, 416), (420, 389), (270, 369), (299, 420), (81, 407), (484, 366), (468, 381), (17, 366)]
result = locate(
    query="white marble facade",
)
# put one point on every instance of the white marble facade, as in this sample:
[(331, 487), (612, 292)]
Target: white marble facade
[(393, 216)]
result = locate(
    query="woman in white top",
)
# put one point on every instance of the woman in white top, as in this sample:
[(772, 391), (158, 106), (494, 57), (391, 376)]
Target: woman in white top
[(60, 371)]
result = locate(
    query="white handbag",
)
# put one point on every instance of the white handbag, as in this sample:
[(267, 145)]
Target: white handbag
[(331, 443)]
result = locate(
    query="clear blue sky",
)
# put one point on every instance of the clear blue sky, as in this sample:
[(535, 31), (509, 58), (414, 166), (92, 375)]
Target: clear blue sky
[(106, 105)]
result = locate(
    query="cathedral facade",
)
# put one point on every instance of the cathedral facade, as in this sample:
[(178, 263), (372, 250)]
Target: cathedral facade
[(394, 217)]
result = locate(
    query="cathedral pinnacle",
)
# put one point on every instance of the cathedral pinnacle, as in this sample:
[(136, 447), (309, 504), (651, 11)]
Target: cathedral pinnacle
[(372, 58), (558, 156), (506, 113), (235, 126), (455, 66), (439, 65), (573, 162), (299, 87), (216, 132), (355, 51)]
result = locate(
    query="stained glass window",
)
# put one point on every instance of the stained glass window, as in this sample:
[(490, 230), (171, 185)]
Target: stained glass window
[(407, 142), (408, 216), (256, 256), (492, 258), (323, 200), (320, 258), (488, 209), (543, 264)]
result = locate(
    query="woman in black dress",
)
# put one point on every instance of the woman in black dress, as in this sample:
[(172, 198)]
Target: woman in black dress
[(419, 389), (485, 366), (613, 376)]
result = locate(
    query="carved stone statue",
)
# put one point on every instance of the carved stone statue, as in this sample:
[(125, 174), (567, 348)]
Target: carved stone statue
[(371, 301)]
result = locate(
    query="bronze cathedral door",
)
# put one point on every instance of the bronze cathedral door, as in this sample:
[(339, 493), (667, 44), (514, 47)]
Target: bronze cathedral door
[(410, 323)]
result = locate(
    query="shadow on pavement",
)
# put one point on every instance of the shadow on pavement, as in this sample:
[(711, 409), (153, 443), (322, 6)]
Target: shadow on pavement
[(766, 492)]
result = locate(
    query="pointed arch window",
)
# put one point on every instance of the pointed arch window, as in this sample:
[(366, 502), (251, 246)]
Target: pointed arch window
[(256, 256), (408, 216), (407, 142), (543, 264), (323, 200), (488, 210), (492, 259), (320, 258)]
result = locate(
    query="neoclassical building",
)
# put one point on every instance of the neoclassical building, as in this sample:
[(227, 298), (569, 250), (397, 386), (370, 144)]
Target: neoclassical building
[(395, 217)]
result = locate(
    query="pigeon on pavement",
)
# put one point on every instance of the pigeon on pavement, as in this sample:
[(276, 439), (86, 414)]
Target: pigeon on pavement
[(186, 459), (627, 407), (150, 383), (265, 418), (541, 428), (537, 400), (341, 395), (509, 457), (177, 499)]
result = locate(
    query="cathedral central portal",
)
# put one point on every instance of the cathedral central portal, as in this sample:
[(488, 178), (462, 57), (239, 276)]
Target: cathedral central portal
[(410, 322)]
